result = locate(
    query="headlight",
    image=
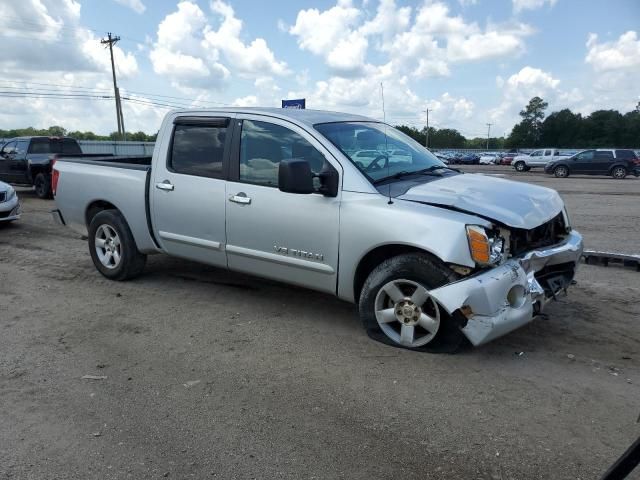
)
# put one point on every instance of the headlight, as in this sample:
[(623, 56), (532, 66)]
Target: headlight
[(565, 217), (485, 249), (10, 194)]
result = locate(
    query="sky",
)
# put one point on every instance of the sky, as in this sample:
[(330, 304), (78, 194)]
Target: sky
[(469, 62)]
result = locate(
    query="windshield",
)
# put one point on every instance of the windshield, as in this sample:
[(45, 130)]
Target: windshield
[(378, 150)]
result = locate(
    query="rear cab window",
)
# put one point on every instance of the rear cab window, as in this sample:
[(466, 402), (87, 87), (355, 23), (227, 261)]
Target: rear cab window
[(604, 155), (63, 146)]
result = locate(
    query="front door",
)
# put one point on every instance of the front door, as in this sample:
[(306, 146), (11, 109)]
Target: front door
[(582, 162), (284, 236), (8, 172), (188, 190)]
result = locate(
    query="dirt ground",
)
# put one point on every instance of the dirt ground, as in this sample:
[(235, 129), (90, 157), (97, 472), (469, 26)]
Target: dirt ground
[(210, 374)]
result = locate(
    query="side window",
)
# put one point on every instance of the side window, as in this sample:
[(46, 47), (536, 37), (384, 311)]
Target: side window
[(9, 148), (604, 155), (537, 153), (40, 145), (263, 145), (21, 147), (585, 156), (625, 155), (198, 150)]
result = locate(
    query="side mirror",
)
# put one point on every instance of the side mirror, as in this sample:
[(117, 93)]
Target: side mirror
[(329, 182), (295, 176)]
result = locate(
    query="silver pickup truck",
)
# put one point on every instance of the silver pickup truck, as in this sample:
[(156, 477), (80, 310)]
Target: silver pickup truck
[(429, 254)]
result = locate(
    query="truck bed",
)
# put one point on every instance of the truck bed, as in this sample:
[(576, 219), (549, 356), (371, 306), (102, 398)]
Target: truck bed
[(123, 180)]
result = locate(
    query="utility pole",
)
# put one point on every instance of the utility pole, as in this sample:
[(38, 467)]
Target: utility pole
[(488, 132), (426, 141), (111, 41)]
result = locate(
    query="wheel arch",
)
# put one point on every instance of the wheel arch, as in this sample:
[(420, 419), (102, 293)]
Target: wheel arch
[(96, 207), (618, 164), (376, 256)]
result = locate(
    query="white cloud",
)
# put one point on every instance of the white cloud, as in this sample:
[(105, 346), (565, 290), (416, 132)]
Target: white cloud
[(193, 54), (519, 88), (624, 53), (135, 5), (519, 5), (46, 35)]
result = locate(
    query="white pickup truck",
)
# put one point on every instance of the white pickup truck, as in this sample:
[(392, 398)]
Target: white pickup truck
[(537, 158), (430, 255)]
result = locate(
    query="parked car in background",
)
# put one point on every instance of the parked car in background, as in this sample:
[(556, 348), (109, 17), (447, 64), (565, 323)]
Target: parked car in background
[(28, 160), (488, 158), (9, 203), (537, 158), (507, 159), (617, 163), (468, 159), (272, 192)]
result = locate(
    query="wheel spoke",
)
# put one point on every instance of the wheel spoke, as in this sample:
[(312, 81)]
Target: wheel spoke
[(428, 323), (100, 242), (420, 296), (116, 241), (406, 334), (387, 316), (116, 257), (394, 292), (107, 258)]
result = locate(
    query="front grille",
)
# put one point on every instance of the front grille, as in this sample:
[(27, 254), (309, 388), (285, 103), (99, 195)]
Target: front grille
[(545, 235), (3, 196)]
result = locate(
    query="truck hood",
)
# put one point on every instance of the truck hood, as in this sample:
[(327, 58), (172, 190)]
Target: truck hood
[(516, 204)]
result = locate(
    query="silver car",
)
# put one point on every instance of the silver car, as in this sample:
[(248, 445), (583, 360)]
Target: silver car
[(9, 204), (430, 255)]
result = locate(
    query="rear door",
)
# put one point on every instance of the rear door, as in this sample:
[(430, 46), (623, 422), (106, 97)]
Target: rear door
[(602, 161), (188, 190), (19, 164), (284, 236)]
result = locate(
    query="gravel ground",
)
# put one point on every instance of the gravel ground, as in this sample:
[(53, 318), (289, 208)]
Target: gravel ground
[(217, 375)]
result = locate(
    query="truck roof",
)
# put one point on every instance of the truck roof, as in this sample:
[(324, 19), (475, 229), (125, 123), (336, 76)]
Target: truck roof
[(305, 116)]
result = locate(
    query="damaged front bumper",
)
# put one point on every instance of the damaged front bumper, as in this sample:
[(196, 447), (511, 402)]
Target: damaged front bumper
[(507, 297)]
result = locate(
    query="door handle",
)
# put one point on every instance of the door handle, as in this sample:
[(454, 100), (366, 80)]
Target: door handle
[(166, 186), (240, 198)]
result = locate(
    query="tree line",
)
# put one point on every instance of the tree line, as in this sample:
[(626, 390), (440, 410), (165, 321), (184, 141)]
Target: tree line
[(57, 131), (561, 129)]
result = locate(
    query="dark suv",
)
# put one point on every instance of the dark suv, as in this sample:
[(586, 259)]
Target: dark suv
[(27, 160), (617, 163)]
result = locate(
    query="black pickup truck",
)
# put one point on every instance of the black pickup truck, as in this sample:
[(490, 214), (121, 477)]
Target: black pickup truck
[(28, 160)]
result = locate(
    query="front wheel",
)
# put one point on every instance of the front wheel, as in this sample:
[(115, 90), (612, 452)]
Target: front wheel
[(112, 247), (396, 306), (42, 185), (619, 173), (520, 166), (561, 171)]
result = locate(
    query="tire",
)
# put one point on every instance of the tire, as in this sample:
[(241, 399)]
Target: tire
[(618, 172), (520, 167), (409, 272), (42, 184), (561, 171), (118, 259)]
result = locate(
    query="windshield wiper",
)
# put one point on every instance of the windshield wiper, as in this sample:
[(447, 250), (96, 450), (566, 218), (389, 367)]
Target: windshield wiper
[(426, 171)]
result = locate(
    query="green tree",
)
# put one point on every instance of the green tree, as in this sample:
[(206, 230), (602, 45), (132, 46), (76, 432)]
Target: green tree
[(527, 133)]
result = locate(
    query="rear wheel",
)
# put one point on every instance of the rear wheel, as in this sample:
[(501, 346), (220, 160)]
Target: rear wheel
[(619, 173), (561, 171), (520, 166), (396, 306), (112, 247), (42, 184)]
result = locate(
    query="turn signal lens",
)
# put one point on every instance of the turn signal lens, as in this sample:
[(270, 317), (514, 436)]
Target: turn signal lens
[(479, 244)]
